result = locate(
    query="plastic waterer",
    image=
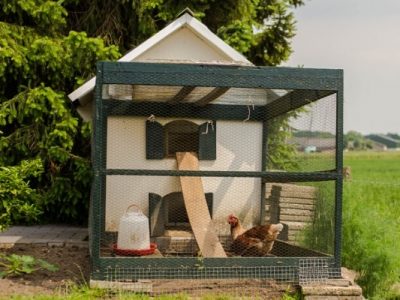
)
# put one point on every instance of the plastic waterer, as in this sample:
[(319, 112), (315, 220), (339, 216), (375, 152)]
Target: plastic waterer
[(133, 231)]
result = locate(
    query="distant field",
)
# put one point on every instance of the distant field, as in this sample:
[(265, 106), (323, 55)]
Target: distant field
[(371, 219)]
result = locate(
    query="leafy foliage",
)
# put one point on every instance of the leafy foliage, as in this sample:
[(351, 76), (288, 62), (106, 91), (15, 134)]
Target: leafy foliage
[(354, 140), (281, 155), (46, 52), (260, 29), (19, 202), (38, 65), (16, 265)]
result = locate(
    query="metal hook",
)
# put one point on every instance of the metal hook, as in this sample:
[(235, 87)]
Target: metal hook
[(248, 109), (212, 127)]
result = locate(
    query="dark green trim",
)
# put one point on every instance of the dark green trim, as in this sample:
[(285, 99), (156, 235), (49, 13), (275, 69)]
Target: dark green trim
[(182, 94), (98, 191), (154, 140), (207, 141), (264, 150), (183, 110), (268, 176), (326, 81), (238, 267), (220, 76), (211, 96), (293, 100), (156, 215), (339, 180), (179, 262)]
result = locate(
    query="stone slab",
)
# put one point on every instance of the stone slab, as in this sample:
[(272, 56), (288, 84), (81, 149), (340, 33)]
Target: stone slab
[(44, 235), (141, 286), (326, 290)]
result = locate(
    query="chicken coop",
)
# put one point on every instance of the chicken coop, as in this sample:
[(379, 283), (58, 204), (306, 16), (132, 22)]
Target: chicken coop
[(189, 143)]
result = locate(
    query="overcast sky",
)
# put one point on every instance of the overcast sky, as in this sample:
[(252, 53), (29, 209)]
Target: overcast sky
[(363, 38)]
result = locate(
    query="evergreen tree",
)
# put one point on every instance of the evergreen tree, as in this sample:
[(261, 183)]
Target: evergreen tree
[(259, 29), (47, 50), (39, 63)]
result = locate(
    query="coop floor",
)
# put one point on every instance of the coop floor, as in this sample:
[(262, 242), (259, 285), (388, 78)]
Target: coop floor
[(181, 242)]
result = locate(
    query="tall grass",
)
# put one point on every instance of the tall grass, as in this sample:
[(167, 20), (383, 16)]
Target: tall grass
[(319, 235), (371, 221)]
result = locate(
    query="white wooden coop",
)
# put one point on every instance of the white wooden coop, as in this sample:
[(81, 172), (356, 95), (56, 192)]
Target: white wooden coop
[(181, 128)]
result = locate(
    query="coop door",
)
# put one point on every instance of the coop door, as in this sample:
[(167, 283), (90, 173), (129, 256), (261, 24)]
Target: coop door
[(169, 212), (180, 136)]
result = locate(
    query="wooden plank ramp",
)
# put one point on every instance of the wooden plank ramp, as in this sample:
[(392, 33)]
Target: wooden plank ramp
[(196, 207)]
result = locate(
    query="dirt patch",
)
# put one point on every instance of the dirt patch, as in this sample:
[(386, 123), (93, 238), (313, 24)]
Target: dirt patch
[(73, 264)]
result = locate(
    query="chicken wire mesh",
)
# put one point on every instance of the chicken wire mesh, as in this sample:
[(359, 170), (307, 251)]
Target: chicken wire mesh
[(211, 167), (251, 283)]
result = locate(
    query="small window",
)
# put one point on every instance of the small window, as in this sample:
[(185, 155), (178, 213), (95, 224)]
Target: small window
[(181, 136)]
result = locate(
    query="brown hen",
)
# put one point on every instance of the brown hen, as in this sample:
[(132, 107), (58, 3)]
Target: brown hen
[(257, 241)]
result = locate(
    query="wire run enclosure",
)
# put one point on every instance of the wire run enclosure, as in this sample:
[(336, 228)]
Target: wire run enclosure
[(268, 143)]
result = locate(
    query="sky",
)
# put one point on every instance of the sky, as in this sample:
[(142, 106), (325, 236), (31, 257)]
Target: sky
[(362, 37)]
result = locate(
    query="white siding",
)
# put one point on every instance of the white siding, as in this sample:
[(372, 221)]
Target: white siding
[(238, 149), (183, 45)]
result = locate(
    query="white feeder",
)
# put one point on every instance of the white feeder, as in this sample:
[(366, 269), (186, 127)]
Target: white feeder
[(133, 231)]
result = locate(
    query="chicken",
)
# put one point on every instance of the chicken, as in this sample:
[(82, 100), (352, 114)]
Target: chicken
[(257, 241)]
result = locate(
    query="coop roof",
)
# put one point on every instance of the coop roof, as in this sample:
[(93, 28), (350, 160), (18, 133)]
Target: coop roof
[(185, 40)]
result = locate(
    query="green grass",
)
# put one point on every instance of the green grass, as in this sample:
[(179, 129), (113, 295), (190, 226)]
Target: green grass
[(86, 293), (371, 220)]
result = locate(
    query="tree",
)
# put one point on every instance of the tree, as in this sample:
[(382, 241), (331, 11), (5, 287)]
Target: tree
[(39, 63), (45, 52), (260, 29), (354, 140)]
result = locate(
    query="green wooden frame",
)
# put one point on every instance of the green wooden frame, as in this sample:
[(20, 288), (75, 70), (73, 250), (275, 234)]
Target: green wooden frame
[(309, 85)]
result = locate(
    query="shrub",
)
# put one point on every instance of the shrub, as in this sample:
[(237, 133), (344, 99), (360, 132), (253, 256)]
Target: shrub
[(19, 203)]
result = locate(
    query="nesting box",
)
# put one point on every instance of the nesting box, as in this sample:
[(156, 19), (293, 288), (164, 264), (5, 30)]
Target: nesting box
[(190, 131)]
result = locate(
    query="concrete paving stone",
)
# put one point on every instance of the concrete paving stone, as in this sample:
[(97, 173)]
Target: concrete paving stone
[(74, 241), (46, 235), (12, 230), (58, 240), (80, 236), (40, 241), (25, 240), (78, 244), (10, 239), (6, 246), (324, 290), (74, 229), (67, 235), (55, 244)]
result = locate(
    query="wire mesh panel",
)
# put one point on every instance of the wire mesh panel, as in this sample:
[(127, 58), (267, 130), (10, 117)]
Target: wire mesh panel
[(251, 283), (307, 210), (237, 172), (304, 139)]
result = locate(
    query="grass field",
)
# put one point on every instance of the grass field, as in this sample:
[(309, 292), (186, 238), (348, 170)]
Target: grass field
[(371, 220)]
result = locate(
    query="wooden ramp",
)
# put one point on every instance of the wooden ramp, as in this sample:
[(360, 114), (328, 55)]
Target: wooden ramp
[(196, 207)]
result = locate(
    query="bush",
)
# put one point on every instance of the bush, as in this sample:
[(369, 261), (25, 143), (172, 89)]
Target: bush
[(19, 203)]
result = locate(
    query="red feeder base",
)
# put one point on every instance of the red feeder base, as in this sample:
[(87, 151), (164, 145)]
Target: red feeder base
[(133, 252)]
